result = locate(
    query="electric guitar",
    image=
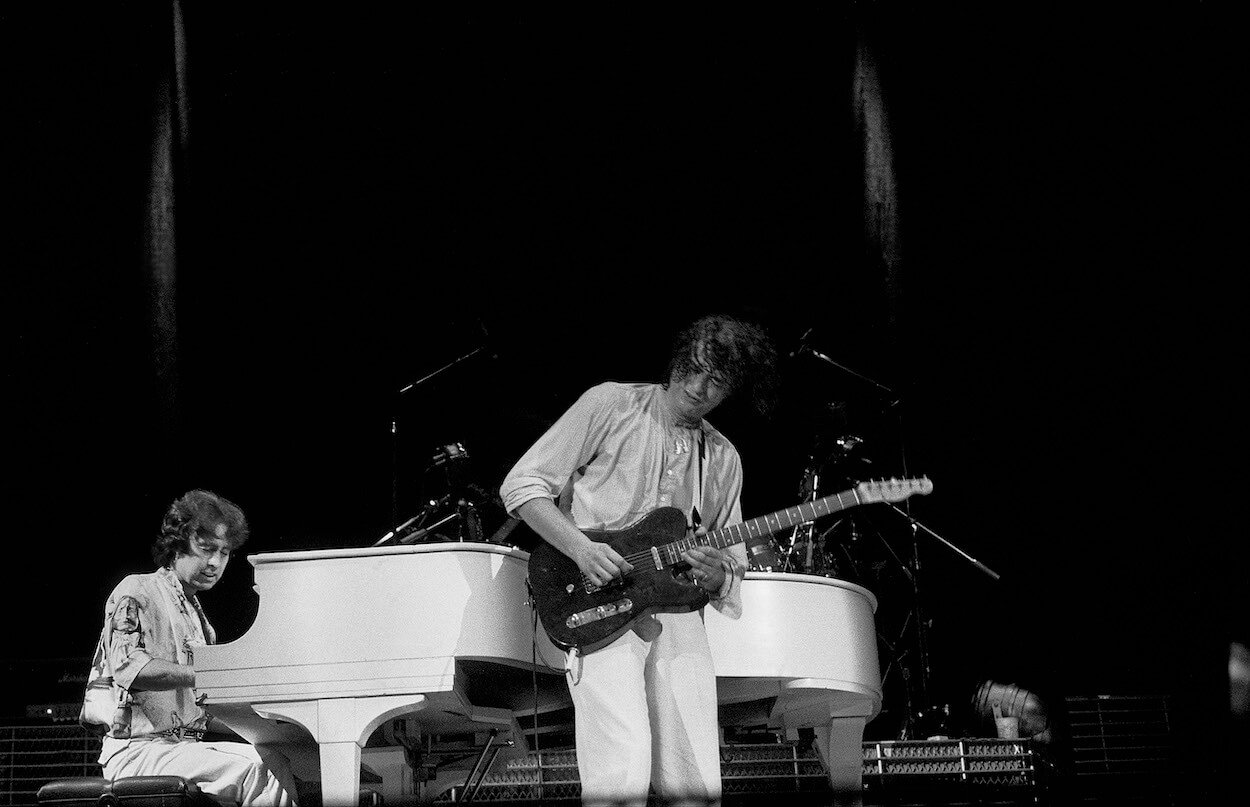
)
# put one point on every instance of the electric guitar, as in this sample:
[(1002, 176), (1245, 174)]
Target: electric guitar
[(578, 614)]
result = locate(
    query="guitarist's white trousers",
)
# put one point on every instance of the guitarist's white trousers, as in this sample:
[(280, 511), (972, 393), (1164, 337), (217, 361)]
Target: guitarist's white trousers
[(645, 713)]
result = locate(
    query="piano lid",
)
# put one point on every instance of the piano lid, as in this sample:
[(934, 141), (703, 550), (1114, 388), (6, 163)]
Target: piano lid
[(377, 620)]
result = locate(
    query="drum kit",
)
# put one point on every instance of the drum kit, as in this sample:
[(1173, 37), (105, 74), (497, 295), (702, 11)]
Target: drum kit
[(459, 509), (825, 549)]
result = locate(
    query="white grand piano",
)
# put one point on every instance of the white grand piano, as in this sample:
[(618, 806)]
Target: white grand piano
[(442, 636)]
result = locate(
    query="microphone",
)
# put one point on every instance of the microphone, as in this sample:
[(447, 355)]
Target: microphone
[(802, 343)]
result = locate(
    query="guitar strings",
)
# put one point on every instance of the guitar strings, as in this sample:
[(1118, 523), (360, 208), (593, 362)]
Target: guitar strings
[(640, 557), (675, 546)]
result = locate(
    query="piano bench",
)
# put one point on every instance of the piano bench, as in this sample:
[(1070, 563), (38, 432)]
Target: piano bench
[(79, 790), (129, 791)]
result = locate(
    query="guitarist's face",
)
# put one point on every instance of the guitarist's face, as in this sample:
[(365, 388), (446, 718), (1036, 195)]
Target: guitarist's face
[(693, 396)]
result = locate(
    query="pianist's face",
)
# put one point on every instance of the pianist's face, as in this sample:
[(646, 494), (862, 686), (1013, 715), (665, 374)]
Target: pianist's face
[(202, 567)]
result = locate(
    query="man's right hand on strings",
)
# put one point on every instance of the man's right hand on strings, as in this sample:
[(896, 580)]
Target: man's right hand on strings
[(600, 562)]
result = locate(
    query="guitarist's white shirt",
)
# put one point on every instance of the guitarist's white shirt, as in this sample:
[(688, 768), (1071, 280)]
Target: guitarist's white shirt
[(617, 454)]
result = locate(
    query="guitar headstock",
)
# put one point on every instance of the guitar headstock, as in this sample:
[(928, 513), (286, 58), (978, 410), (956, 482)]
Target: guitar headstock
[(892, 490)]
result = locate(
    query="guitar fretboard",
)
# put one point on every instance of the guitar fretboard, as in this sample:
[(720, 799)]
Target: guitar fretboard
[(671, 553)]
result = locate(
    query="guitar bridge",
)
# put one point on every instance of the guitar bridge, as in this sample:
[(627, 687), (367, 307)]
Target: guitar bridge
[(599, 612)]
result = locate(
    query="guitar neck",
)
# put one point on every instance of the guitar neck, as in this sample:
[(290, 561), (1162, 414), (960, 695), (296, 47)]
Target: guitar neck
[(765, 525)]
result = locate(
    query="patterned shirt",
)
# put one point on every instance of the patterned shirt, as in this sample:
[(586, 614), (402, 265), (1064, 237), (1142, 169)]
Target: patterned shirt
[(617, 454), (148, 616)]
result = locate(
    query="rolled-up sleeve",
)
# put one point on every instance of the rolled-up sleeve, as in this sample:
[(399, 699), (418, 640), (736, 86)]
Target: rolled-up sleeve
[(125, 615), (570, 443), (730, 603)]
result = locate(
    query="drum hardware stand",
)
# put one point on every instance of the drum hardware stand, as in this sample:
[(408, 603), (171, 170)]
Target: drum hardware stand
[(417, 535), (450, 457), (893, 402), (898, 654), (394, 520), (413, 529), (454, 457), (922, 624), (470, 522), (802, 534), (896, 657)]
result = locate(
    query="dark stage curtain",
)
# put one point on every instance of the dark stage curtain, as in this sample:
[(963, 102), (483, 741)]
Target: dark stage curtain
[(882, 237), (166, 169)]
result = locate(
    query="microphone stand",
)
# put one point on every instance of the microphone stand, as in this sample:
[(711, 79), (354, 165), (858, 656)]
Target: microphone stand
[(915, 524), (445, 367), (922, 639), (881, 387), (395, 525)]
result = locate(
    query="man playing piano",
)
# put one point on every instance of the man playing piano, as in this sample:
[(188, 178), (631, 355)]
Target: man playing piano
[(152, 625), (645, 707)]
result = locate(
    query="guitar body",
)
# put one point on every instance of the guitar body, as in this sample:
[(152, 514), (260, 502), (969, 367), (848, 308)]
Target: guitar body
[(581, 616), (560, 593)]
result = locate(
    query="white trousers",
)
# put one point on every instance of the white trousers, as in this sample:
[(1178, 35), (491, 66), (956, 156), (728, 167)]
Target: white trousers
[(645, 713), (234, 773)]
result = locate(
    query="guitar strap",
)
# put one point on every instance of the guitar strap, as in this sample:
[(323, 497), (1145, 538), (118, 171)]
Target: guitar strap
[(695, 519)]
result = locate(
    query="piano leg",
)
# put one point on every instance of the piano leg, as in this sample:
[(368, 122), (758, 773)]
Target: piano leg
[(840, 743), (341, 727), (837, 717), (340, 774)]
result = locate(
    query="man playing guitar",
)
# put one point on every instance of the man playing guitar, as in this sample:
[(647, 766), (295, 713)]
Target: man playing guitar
[(645, 702)]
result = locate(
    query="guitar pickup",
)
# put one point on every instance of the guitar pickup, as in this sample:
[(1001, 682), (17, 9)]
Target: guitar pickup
[(599, 612)]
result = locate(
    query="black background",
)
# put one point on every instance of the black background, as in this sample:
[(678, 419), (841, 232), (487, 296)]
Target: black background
[(370, 195)]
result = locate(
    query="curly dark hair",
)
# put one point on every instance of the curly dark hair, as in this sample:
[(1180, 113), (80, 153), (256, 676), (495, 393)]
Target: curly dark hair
[(739, 351), (198, 512)]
